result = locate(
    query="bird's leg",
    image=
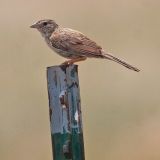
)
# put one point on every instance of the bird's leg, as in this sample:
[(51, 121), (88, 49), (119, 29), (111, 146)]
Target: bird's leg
[(69, 62)]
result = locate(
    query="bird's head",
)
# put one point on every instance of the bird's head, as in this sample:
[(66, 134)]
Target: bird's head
[(45, 27)]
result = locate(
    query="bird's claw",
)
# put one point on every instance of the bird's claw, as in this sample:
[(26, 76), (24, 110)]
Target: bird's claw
[(67, 63)]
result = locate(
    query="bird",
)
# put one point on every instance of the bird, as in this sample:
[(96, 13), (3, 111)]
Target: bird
[(73, 45)]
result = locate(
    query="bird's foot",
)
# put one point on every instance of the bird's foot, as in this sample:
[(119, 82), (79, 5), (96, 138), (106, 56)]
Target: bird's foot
[(67, 63), (72, 61)]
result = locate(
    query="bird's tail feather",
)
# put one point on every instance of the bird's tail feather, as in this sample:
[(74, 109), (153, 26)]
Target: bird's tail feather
[(115, 59)]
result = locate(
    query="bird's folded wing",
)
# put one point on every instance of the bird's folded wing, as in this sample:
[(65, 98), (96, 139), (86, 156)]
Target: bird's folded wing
[(75, 42)]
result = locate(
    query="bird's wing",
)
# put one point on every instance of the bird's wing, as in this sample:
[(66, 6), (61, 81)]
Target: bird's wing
[(75, 42)]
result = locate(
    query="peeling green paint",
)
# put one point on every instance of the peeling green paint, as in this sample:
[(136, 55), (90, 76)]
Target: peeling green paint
[(65, 113), (77, 147), (58, 140)]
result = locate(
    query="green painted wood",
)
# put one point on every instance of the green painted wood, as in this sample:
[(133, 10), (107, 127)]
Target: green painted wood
[(65, 113)]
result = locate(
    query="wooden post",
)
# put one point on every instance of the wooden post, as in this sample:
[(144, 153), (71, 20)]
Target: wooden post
[(65, 112)]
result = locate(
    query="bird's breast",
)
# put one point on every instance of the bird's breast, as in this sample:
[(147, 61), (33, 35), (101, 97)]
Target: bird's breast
[(62, 53)]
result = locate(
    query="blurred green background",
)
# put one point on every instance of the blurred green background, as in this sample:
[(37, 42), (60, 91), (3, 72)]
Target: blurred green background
[(121, 108)]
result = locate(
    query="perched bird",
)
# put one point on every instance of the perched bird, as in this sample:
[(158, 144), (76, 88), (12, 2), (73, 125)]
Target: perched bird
[(72, 44)]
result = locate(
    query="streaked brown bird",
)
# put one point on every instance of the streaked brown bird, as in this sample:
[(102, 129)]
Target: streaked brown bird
[(72, 44)]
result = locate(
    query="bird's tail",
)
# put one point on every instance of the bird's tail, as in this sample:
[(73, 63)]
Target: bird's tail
[(115, 59)]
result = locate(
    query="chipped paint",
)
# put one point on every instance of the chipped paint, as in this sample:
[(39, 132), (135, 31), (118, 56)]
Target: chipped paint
[(67, 149), (76, 116), (63, 99)]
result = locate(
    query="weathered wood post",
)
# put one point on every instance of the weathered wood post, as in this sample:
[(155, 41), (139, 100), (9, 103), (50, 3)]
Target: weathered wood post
[(65, 112)]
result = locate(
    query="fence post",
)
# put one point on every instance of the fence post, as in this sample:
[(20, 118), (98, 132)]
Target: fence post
[(65, 112)]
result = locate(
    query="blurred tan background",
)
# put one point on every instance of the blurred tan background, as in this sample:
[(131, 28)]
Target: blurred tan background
[(121, 108)]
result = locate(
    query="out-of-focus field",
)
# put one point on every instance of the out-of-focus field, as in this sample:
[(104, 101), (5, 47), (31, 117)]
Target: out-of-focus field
[(121, 108)]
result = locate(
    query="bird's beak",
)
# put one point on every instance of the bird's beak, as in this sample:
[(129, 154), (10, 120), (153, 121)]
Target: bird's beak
[(34, 26)]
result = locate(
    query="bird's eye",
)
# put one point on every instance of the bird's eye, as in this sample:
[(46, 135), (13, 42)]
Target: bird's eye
[(44, 23)]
